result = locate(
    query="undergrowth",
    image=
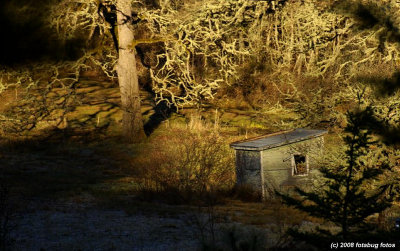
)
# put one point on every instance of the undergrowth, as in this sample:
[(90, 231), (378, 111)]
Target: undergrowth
[(182, 166)]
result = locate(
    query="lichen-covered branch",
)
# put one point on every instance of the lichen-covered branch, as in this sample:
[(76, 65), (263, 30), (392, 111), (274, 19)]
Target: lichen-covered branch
[(203, 48)]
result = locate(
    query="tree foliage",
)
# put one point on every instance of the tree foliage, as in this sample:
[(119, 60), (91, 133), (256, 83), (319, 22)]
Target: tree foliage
[(203, 48), (347, 197), (306, 58)]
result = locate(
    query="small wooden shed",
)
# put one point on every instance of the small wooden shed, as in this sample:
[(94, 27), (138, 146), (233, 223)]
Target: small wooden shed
[(278, 161)]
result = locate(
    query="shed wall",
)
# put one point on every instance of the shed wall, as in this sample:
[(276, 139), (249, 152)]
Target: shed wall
[(248, 168), (277, 165)]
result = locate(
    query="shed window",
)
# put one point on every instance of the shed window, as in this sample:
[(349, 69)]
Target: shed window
[(299, 165)]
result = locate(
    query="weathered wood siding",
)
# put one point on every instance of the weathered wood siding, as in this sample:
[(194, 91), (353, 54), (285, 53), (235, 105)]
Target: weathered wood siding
[(248, 168), (271, 169), (277, 165)]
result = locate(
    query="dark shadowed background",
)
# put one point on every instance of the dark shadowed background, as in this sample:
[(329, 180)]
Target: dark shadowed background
[(26, 37)]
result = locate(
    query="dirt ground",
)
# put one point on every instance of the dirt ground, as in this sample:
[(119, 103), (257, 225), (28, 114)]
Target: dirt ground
[(77, 228)]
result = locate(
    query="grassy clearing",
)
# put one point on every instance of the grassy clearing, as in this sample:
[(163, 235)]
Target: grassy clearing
[(56, 171), (108, 174), (86, 164)]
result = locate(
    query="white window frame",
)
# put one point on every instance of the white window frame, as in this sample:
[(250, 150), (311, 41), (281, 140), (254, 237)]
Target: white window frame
[(294, 165)]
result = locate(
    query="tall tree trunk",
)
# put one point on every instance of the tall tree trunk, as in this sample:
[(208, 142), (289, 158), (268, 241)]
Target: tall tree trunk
[(132, 124)]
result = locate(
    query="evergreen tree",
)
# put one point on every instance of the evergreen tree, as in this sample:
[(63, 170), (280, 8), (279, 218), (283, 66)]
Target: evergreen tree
[(345, 199)]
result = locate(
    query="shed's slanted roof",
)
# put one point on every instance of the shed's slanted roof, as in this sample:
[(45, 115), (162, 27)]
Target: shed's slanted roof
[(277, 139)]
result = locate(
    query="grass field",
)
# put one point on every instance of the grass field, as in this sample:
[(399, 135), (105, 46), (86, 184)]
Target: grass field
[(84, 164)]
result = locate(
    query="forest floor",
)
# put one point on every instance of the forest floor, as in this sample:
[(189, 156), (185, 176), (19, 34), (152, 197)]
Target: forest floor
[(74, 188), (83, 197), (79, 227)]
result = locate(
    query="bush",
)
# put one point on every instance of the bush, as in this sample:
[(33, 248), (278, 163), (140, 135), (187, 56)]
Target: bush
[(183, 165)]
